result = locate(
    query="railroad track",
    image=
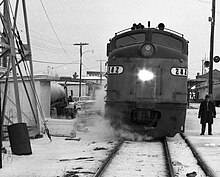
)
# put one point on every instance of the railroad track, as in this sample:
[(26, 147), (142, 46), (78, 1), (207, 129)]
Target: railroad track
[(155, 161), (208, 172), (107, 161), (145, 158)]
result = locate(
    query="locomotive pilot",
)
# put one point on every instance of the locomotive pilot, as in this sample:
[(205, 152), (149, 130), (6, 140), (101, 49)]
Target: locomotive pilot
[(207, 112)]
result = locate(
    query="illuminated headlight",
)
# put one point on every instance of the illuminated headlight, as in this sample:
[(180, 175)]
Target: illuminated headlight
[(145, 75)]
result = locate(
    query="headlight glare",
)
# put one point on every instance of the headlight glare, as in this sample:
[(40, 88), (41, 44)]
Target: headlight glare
[(145, 75)]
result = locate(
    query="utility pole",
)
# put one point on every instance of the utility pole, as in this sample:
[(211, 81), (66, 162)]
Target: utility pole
[(211, 48), (81, 44), (100, 63), (29, 58)]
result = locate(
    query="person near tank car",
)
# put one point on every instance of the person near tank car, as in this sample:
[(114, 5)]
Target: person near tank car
[(206, 114)]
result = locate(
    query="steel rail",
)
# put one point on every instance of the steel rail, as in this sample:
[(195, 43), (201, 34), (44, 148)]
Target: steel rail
[(198, 157), (107, 161), (168, 158)]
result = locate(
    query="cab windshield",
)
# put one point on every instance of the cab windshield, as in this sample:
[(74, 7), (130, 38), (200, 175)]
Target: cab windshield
[(168, 41), (130, 40)]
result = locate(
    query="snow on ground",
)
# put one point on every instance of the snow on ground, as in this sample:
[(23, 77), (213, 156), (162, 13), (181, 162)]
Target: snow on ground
[(208, 146), (182, 158), (56, 158), (141, 159)]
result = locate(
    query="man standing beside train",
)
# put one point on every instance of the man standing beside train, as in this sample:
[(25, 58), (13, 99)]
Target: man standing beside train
[(207, 112)]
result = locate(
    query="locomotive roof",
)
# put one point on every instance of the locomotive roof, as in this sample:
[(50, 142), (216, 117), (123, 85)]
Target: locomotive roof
[(165, 31)]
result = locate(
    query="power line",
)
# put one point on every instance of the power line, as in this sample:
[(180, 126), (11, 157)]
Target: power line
[(45, 11), (208, 2), (85, 66), (50, 62), (43, 45), (204, 1), (45, 50), (192, 62), (39, 71), (44, 37)]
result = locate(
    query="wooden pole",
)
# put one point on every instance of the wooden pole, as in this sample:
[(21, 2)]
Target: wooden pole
[(1, 125), (81, 44), (211, 49), (29, 58), (80, 72), (100, 65)]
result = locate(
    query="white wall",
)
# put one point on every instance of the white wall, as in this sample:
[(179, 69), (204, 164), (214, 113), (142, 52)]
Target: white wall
[(43, 91)]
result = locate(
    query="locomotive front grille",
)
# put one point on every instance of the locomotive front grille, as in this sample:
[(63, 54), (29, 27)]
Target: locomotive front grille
[(145, 117)]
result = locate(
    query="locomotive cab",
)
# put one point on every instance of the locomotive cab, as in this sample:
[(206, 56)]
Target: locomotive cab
[(147, 80)]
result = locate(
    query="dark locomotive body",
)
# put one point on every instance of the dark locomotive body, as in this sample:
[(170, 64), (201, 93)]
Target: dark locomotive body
[(147, 81)]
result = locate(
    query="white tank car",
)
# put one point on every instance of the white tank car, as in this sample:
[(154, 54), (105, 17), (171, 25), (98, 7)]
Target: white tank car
[(57, 92)]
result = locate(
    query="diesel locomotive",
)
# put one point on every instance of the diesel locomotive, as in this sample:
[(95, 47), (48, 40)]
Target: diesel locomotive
[(147, 80)]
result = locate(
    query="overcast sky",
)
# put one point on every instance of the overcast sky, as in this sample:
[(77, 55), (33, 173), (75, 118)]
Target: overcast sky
[(95, 21)]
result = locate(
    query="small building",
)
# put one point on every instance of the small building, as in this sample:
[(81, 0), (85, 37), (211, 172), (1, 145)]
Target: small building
[(205, 78), (42, 85), (95, 77), (201, 88)]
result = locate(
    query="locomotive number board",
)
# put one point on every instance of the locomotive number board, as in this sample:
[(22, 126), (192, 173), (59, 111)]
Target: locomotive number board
[(179, 72), (115, 70)]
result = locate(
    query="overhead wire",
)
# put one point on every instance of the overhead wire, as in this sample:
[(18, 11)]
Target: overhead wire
[(204, 1), (1, 2), (208, 2), (50, 62), (191, 62), (39, 71), (49, 43), (43, 41), (45, 45), (55, 33), (43, 37)]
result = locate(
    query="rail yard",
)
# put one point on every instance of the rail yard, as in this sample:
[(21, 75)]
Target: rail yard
[(109, 88), (90, 156)]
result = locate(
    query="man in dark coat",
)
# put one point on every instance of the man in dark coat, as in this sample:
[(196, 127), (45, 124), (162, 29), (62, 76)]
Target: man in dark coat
[(207, 112)]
